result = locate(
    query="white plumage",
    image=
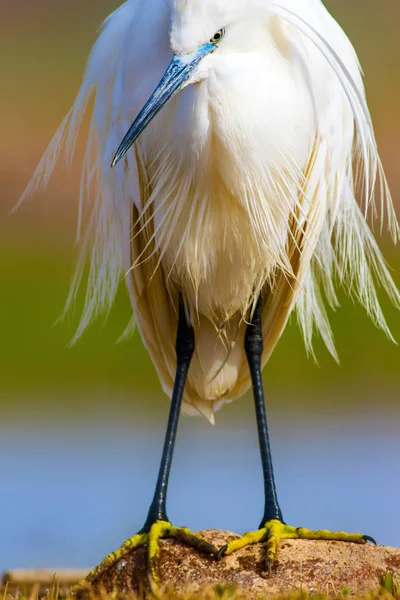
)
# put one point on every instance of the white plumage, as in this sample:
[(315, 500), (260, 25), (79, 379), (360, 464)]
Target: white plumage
[(244, 182)]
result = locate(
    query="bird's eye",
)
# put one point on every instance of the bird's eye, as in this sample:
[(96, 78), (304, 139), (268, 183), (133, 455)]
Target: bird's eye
[(217, 37)]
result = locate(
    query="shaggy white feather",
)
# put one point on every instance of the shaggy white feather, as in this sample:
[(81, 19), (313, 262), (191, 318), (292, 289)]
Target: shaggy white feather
[(246, 181)]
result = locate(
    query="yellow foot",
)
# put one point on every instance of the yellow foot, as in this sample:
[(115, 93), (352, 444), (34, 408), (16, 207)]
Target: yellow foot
[(274, 531), (159, 530)]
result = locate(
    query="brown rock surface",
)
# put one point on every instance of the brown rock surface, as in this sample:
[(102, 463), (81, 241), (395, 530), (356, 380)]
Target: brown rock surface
[(315, 566)]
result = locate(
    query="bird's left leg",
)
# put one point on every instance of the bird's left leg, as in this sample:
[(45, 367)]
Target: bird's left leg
[(157, 525), (272, 527)]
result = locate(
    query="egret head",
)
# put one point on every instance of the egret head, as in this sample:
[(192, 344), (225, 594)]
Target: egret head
[(194, 21), (198, 29)]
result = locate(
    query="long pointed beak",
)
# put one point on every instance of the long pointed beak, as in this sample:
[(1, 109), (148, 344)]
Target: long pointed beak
[(174, 78)]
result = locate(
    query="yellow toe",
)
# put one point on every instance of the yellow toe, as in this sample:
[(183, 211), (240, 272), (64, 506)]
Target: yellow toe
[(159, 530), (275, 530)]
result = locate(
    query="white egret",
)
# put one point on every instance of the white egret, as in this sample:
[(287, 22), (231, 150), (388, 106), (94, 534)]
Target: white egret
[(229, 203)]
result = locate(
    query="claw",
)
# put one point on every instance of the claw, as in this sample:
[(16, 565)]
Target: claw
[(221, 552), (185, 536), (269, 564), (368, 538)]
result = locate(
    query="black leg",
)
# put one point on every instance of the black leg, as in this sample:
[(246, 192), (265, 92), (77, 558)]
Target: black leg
[(272, 528), (157, 525), (184, 353), (253, 344)]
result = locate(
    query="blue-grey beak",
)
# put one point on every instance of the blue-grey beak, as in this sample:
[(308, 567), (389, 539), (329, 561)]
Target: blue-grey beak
[(176, 75)]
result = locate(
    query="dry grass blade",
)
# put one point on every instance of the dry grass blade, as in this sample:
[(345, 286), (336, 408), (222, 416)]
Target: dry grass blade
[(388, 589)]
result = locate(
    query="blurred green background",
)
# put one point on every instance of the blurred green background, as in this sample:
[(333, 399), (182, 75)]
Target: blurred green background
[(45, 384)]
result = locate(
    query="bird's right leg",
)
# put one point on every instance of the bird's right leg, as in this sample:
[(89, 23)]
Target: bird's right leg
[(157, 524)]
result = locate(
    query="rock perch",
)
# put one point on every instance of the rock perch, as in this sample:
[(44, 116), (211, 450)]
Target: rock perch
[(313, 566)]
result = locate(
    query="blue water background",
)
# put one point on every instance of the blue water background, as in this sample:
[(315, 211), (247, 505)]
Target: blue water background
[(74, 490)]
